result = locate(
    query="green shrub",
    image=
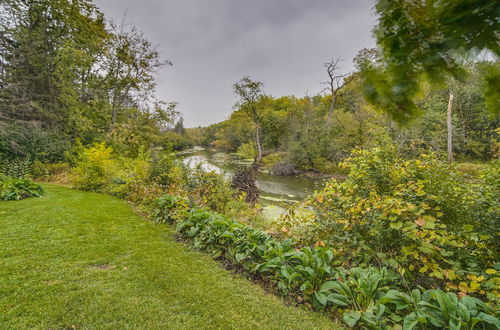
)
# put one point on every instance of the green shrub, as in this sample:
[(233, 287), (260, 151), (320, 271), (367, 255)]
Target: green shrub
[(162, 167), (148, 176), (169, 208), (17, 189), (273, 158), (246, 151), (473, 170), (488, 200), (95, 167), (437, 309), (129, 179), (16, 167), (57, 172), (33, 141), (141, 193), (366, 297), (213, 190), (140, 179), (419, 217)]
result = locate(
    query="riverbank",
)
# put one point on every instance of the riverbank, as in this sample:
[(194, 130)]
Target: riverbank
[(285, 188), (75, 259), (321, 176), (277, 192)]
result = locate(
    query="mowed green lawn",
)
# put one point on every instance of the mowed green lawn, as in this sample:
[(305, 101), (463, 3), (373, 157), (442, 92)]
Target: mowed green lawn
[(84, 260)]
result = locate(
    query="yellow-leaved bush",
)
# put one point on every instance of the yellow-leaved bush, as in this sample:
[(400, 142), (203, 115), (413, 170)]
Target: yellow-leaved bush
[(148, 175), (95, 167)]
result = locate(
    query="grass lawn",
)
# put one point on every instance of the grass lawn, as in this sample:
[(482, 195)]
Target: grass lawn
[(84, 260)]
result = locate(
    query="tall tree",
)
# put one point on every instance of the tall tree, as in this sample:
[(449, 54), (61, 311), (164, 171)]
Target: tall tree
[(66, 73), (249, 93), (47, 48), (51, 45), (131, 65), (335, 84)]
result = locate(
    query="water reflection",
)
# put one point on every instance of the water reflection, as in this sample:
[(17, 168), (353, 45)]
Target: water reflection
[(274, 190)]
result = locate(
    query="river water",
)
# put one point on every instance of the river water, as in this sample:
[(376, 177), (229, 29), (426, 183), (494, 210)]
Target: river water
[(275, 191)]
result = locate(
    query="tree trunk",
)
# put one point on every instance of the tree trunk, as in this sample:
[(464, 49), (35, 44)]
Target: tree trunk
[(330, 111), (450, 128), (257, 143), (113, 116)]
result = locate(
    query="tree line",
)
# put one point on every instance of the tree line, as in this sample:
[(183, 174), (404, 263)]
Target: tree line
[(316, 132), (431, 84), (68, 74)]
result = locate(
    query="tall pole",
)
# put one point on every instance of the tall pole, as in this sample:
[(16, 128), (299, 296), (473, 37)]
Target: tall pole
[(450, 128)]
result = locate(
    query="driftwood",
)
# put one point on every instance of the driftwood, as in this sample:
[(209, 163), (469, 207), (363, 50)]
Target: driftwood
[(244, 180)]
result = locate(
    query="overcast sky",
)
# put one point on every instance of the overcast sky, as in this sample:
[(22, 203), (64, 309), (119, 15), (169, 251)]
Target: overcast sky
[(213, 43)]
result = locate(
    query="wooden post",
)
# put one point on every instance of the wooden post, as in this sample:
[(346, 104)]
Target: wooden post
[(258, 144), (450, 128)]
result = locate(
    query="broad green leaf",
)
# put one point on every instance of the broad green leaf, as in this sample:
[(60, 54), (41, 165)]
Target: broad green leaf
[(327, 286), (351, 317), (322, 299), (454, 324), (470, 305), (488, 319), (339, 299), (410, 321), (463, 312), (396, 225)]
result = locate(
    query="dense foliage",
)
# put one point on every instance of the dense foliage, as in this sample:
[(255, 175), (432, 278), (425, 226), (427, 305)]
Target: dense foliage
[(306, 134), (367, 297), (377, 244), (420, 217), (68, 74), (406, 239), (430, 40), (18, 188), (147, 176), (15, 182)]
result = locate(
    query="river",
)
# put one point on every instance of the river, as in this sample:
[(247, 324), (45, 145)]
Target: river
[(275, 191)]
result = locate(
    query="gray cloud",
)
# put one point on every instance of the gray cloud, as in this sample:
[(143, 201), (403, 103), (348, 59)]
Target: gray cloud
[(212, 43)]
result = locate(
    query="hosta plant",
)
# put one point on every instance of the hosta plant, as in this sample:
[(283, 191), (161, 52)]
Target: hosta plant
[(437, 309), (357, 292), (17, 189), (169, 208), (364, 297)]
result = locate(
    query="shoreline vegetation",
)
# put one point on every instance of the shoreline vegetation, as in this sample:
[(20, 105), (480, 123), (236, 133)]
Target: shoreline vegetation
[(471, 167), (388, 178), (315, 253), (315, 174)]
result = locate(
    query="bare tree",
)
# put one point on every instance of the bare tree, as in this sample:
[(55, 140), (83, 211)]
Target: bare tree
[(131, 64), (336, 82)]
